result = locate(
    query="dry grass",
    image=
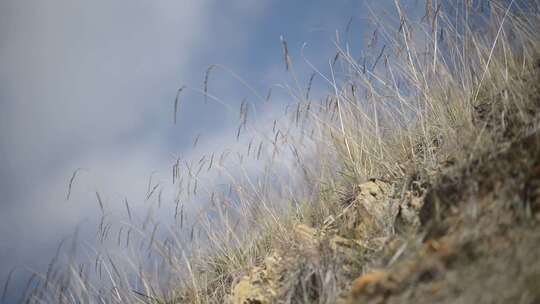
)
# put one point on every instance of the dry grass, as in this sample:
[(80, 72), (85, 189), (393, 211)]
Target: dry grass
[(413, 104)]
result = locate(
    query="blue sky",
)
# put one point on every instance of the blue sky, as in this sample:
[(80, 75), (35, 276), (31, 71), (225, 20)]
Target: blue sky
[(91, 84)]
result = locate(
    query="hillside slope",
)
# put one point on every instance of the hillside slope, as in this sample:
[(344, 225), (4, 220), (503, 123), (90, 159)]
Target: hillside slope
[(457, 223), (467, 233), (415, 179)]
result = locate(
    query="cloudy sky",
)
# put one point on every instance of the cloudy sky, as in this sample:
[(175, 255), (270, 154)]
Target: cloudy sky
[(91, 84)]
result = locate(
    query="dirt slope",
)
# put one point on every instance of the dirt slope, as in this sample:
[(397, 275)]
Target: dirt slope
[(482, 237)]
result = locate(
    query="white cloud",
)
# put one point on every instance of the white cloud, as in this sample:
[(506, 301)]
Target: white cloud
[(82, 84)]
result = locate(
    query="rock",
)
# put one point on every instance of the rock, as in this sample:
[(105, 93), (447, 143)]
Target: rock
[(311, 239), (431, 260), (373, 214), (259, 286), (246, 293), (370, 287), (408, 219)]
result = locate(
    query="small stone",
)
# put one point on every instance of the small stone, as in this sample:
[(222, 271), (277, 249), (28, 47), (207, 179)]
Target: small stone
[(246, 293), (369, 286)]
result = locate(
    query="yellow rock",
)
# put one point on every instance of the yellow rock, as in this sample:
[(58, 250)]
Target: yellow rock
[(374, 212), (247, 293), (259, 286)]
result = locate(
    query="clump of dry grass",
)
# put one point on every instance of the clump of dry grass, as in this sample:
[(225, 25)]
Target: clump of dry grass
[(414, 102)]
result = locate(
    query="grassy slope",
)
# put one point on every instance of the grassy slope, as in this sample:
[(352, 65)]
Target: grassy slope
[(451, 212), (480, 236), (421, 171)]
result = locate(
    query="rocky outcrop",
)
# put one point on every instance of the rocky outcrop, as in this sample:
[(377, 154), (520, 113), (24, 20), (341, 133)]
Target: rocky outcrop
[(373, 212), (365, 223), (259, 286), (479, 227)]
